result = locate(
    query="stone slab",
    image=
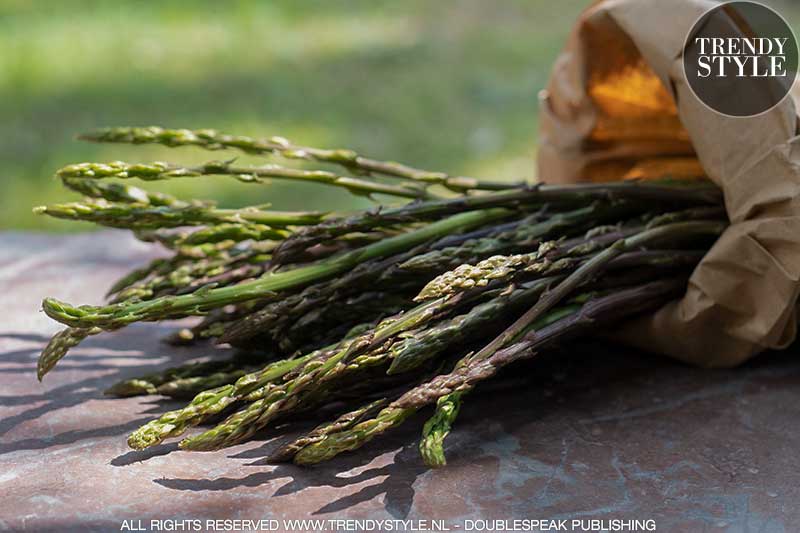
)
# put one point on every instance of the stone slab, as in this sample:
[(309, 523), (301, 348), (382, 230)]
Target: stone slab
[(595, 431)]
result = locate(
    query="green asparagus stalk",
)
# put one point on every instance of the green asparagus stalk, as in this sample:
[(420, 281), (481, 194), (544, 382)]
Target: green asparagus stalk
[(58, 347), (250, 387), (413, 350), (288, 309), (436, 429), (593, 267), (208, 403), (140, 216), (121, 314), (118, 192), (174, 423), (564, 322), (164, 171), (342, 423), (189, 276), (525, 236), (175, 381), (188, 387), (659, 197), (236, 232), (214, 140)]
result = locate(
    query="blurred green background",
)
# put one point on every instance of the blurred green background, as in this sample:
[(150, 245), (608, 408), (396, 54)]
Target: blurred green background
[(443, 85)]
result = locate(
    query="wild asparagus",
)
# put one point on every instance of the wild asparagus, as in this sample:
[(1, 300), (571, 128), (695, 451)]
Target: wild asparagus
[(118, 192), (121, 314), (58, 347), (214, 140), (345, 421), (208, 403), (141, 216), (574, 258), (186, 379), (658, 197), (436, 429), (466, 376), (163, 171)]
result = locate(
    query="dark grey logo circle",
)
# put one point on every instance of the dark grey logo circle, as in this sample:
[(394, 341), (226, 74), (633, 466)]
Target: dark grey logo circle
[(741, 58)]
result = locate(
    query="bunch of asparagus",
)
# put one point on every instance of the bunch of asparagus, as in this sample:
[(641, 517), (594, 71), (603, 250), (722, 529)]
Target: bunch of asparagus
[(378, 313)]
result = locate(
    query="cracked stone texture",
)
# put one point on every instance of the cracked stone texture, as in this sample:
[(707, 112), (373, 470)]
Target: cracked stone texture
[(596, 431)]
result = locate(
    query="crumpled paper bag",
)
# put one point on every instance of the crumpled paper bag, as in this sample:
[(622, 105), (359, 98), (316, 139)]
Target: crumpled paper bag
[(618, 105)]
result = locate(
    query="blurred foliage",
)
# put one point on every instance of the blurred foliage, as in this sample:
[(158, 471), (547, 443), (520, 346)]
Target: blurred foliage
[(443, 85)]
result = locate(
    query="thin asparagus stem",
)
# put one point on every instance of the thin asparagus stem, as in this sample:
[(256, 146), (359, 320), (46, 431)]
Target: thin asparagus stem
[(176, 381), (58, 347), (343, 422), (300, 391), (587, 271), (121, 314), (119, 192), (232, 232), (526, 235), (436, 429), (140, 216), (207, 403), (214, 140), (251, 387), (190, 386), (565, 322), (163, 171), (574, 196)]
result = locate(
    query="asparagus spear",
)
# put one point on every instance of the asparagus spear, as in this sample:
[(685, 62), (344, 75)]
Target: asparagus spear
[(343, 422), (118, 192), (413, 349), (436, 429), (58, 347), (596, 311), (526, 235), (653, 195), (251, 386), (121, 314), (143, 216), (589, 269), (208, 403), (164, 171), (187, 276), (594, 266), (214, 140), (176, 381)]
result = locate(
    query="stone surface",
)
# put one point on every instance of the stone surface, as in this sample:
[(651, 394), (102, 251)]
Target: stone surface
[(596, 431)]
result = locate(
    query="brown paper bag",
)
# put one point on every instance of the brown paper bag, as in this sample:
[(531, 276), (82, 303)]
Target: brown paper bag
[(618, 105)]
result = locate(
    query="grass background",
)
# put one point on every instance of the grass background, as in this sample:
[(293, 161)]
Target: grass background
[(443, 85)]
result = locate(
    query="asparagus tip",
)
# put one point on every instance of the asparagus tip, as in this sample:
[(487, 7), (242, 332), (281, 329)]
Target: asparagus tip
[(141, 439), (131, 387)]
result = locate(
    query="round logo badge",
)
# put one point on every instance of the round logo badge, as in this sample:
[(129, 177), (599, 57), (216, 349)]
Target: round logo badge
[(741, 58)]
